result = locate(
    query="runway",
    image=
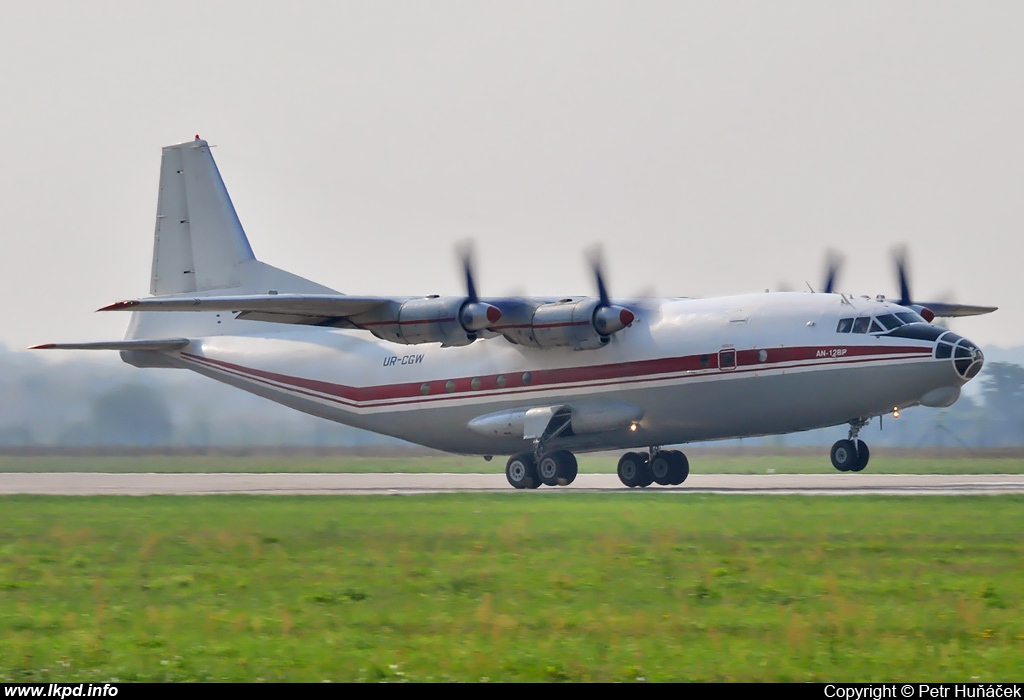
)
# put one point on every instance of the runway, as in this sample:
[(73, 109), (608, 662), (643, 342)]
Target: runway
[(836, 484)]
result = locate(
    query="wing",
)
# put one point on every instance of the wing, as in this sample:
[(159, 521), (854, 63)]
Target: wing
[(305, 309), (946, 310), (578, 322)]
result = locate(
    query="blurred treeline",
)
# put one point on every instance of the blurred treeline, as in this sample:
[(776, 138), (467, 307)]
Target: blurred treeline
[(92, 400)]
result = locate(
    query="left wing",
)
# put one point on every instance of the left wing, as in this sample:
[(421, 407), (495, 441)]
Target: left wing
[(577, 322), (307, 309), (581, 322)]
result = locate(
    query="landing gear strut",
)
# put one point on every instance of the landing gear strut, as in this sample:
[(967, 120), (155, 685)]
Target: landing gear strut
[(851, 454)]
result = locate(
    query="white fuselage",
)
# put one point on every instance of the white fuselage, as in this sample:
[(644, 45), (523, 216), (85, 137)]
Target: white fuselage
[(701, 369)]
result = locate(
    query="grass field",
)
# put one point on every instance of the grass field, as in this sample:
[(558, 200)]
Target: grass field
[(538, 586), (701, 462)]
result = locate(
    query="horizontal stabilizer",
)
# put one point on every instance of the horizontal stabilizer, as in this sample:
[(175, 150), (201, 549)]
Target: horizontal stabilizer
[(154, 345)]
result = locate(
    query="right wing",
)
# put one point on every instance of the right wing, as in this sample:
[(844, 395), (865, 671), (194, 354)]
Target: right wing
[(306, 309)]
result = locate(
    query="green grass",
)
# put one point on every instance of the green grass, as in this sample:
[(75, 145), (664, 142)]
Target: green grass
[(524, 586), (701, 462)]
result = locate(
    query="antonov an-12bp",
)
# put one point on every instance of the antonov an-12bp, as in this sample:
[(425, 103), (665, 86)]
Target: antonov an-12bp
[(540, 379)]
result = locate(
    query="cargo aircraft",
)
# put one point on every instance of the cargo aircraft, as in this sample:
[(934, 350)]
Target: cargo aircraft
[(540, 379)]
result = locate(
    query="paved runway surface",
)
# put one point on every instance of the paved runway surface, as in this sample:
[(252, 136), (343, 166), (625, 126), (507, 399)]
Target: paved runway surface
[(835, 484)]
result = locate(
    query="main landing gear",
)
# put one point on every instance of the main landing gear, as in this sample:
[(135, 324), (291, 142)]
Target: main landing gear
[(851, 454), (526, 471), (666, 467)]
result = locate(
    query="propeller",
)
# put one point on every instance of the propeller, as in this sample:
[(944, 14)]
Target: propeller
[(899, 256), (475, 315), (608, 318), (833, 261), (929, 310)]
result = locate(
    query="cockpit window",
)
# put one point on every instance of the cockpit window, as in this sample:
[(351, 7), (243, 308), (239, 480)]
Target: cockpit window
[(889, 321), (909, 317), (882, 323)]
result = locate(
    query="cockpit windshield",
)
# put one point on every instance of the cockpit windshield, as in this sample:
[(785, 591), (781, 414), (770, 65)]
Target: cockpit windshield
[(878, 324)]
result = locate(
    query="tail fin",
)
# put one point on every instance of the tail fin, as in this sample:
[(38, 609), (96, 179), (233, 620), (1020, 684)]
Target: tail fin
[(199, 243)]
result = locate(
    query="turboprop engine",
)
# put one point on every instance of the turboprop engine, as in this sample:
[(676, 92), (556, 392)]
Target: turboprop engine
[(445, 320), (581, 324)]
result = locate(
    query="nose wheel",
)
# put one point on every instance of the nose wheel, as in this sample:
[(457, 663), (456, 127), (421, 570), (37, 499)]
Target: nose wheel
[(851, 455)]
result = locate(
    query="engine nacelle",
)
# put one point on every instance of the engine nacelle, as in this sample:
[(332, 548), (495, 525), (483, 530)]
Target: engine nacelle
[(581, 324), (445, 320), (924, 312)]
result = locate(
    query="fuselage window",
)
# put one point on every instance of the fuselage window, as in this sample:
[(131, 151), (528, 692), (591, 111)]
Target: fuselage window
[(727, 359), (860, 325), (845, 325)]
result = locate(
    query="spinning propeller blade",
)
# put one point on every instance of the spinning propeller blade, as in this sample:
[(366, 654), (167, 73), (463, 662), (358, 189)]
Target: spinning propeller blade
[(475, 315), (929, 309), (833, 261), (608, 318)]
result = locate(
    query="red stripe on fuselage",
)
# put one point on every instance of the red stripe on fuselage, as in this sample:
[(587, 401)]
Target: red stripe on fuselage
[(549, 379)]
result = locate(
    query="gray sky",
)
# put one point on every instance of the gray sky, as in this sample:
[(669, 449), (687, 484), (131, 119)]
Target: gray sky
[(710, 148)]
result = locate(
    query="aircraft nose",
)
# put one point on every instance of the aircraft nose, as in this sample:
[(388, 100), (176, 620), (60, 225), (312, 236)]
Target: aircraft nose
[(966, 357)]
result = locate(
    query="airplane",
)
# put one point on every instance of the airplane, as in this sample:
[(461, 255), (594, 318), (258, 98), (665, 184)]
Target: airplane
[(540, 379)]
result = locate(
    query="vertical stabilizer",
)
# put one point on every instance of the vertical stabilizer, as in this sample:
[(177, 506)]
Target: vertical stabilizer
[(200, 248), (199, 242)]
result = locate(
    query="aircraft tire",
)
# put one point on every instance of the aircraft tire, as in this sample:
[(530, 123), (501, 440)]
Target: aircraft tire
[(680, 468), (521, 471), (863, 455), (661, 468), (646, 475), (548, 468), (568, 468), (844, 455), (629, 469)]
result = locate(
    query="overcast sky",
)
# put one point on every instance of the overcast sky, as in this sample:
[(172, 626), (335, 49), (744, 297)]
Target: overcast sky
[(711, 148)]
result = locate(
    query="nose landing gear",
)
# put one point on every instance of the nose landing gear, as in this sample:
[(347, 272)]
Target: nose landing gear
[(851, 455)]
